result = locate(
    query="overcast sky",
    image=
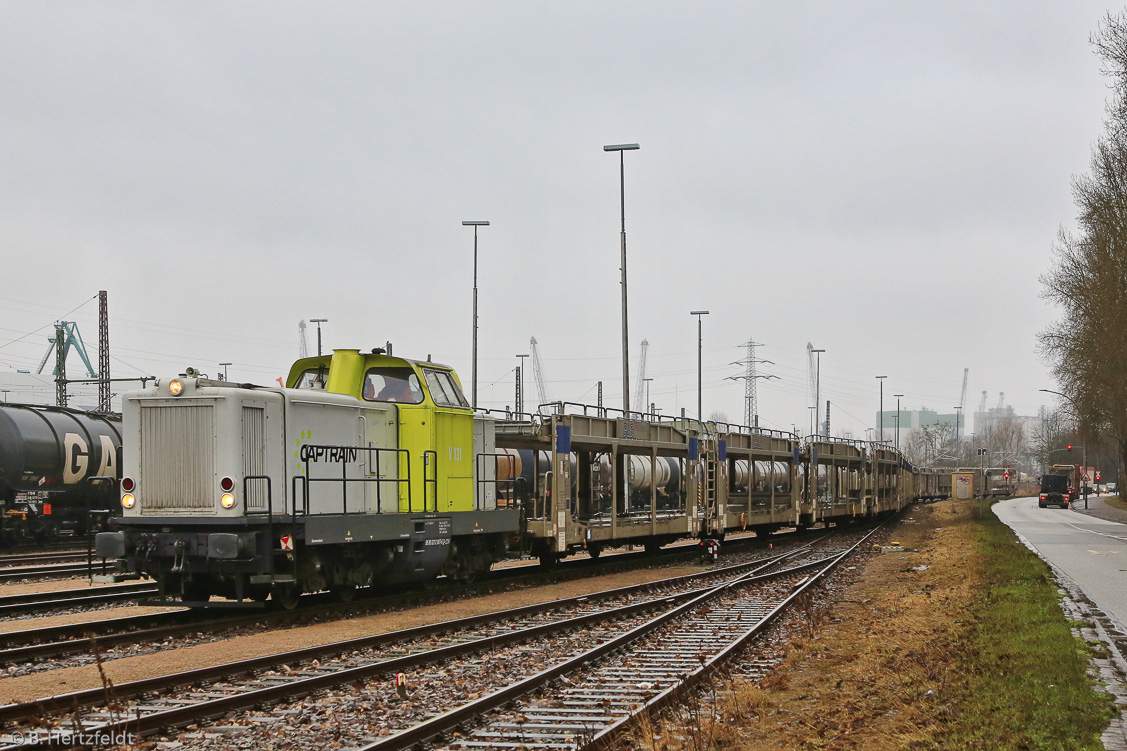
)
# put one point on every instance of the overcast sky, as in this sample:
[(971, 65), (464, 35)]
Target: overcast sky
[(882, 179)]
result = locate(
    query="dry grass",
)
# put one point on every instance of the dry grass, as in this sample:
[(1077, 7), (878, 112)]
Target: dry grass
[(894, 665)]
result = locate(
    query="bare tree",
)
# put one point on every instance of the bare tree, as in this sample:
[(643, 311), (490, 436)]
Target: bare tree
[(1087, 347)]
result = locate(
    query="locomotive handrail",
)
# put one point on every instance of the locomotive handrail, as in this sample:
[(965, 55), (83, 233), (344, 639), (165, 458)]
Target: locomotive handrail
[(269, 512), (344, 479), (426, 479), (479, 504), (96, 480)]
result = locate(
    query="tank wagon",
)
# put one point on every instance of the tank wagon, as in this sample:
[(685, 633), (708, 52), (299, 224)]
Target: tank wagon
[(59, 469), (369, 469)]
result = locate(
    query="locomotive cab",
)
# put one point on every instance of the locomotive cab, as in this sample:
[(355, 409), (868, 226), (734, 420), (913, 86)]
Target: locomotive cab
[(433, 421)]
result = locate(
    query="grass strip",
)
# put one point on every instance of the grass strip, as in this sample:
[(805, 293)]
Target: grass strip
[(1025, 683)]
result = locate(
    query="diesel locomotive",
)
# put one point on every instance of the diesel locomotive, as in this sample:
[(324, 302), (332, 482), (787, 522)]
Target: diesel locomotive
[(372, 470)]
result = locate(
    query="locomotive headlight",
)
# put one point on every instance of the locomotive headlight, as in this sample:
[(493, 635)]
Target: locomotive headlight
[(228, 500), (128, 500), (175, 387)]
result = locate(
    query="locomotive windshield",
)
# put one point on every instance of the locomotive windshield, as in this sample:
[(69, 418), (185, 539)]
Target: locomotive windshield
[(399, 385), (443, 389), (314, 378)]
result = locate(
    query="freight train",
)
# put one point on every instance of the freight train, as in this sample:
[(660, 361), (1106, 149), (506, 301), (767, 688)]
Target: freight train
[(372, 470), (59, 470)]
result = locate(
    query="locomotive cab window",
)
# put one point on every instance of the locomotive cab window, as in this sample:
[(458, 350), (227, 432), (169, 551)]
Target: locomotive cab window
[(444, 390), (398, 385), (314, 378)]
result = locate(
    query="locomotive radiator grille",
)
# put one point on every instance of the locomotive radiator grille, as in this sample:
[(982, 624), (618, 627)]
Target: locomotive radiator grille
[(177, 457), (254, 455)]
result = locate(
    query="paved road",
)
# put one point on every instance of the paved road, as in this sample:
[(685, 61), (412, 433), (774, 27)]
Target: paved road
[(1091, 550)]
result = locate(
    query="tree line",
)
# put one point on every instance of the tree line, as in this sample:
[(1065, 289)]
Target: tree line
[(1087, 346)]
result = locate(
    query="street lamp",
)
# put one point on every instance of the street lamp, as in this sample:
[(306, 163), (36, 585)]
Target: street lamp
[(648, 404), (224, 366), (520, 384), (318, 321), (881, 413), (1084, 459), (621, 148), (473, 374), (698, 314), (818, 391), (898, 420)]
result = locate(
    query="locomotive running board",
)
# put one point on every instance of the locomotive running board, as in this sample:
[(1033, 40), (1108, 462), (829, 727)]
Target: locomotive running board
[(210, 604)]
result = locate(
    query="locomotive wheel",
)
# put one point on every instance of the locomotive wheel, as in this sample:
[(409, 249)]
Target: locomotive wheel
[(286, 595), (344, 592), (196, 590)]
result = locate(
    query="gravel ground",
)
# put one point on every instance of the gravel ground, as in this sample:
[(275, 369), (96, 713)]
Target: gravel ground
[(375, 708), (47, 585), (86, 615), (132, 668)]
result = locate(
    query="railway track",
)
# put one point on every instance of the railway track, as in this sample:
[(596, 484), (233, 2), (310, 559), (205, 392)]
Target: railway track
[(582, 702), (58, 642), (69, 598), (54, 571), (598, 620), (42, 558)]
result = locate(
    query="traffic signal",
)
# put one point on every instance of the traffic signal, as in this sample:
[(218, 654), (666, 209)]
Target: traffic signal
[(1070, 447)]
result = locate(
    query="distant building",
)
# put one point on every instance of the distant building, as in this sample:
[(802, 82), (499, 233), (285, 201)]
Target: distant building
[(910, 419), (992, 419)]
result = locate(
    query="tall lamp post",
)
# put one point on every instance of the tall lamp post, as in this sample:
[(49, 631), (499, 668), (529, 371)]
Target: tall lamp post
[(224, 366), (698, 314), (818, 392), (881, 413), (620, 148), (1084, 459), (318, 321), (898, 420), (649, 406), (473, 374)]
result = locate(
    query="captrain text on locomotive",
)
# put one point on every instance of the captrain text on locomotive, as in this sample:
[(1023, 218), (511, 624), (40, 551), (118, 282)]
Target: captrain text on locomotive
[(369, 469)]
